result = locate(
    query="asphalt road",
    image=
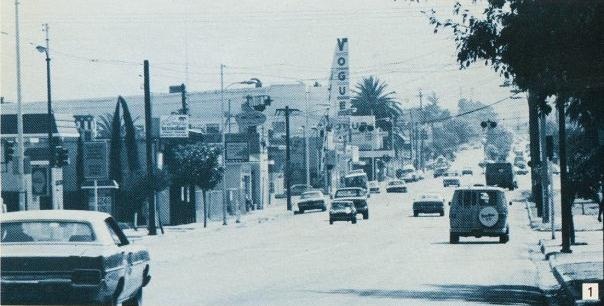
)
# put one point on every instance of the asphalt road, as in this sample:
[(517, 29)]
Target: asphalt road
[(392, 258)]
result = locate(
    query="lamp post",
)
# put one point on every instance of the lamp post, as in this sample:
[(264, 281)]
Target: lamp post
[(225, 123), (51, 160)]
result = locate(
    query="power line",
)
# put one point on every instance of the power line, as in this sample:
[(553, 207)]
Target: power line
[(470, 111)]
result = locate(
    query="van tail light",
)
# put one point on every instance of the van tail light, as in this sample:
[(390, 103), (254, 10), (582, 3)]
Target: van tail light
[(86, 277)]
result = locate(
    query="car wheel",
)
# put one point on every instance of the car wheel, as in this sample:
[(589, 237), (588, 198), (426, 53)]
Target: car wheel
[(442, 213), (366, 215), (504, 238), (453, 238), (354, 220), (330, 221), (301, 211), (136, 300), (415, 213)]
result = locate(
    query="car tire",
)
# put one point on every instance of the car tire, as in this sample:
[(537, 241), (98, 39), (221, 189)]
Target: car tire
[(301, 211), (136, 300), (365, 215), (354, 220), (453, 238), (504, 238), (323, 208), (442, 213), (330, 221), (415, 213)]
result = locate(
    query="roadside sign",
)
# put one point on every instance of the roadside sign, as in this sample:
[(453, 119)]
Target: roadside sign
[(174, 126), (251, 118), (237, 148), (96, 161)]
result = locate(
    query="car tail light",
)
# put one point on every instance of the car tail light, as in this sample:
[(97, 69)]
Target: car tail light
[(88, 277)]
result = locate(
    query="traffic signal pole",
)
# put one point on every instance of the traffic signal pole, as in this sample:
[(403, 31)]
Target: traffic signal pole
[(149, 151), (287, 111)]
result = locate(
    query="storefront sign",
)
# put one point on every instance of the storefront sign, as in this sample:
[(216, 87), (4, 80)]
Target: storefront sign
[(174, 126)]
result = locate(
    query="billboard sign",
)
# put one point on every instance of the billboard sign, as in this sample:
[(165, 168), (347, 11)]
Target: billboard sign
[(174, 126), (96, 161)]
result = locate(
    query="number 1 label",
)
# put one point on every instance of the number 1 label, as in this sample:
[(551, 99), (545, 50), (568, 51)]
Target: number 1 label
[(590, 292)]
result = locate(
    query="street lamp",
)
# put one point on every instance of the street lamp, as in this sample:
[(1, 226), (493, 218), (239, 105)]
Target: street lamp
[(51, 163)]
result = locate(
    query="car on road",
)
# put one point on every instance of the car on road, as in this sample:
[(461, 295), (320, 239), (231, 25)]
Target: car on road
[(314, 199), (521, 171), (374, 187), (439, 171), (451, 173), (70, 257), (477, 212), (428, 204), (501, 175), (409, 174), (298, 189), (467, 171), (396, 186), (356, 195), (342, 211), (451, 181)]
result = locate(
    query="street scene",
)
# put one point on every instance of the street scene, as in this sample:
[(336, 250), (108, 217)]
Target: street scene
[(309, 153)]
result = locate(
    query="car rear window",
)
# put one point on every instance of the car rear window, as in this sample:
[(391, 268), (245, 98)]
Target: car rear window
[(47, 231), (347, 193), (469, 198)]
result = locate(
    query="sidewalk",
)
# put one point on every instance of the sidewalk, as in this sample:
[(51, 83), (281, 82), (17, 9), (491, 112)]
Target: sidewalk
[(584, 264)]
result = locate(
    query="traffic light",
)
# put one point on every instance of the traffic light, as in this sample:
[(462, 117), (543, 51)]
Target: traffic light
[(9, 151), (61, 157)]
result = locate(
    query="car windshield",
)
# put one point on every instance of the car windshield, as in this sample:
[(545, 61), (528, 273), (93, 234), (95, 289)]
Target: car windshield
[(348, 193), (312, 194), (47, 231), (396, 183), (340, 205)]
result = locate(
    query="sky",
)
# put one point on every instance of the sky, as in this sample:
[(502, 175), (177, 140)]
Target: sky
[(98, 47)]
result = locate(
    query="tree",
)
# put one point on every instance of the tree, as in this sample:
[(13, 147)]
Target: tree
[(371, 98), (196, 164), (138, 185), (104, 127)]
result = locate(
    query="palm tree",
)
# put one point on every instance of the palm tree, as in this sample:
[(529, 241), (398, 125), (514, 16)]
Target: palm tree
[(371, 98), (104, 127)]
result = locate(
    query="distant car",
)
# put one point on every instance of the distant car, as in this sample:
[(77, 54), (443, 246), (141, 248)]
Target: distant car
[(467, 171), (428, 203), (357, 195), (419, 174), (521, 171), (396, 186), (451, 173), (451, 181), (314, 199), (342, 211), (298, 189), (479, 211), (70, 257), (501, 175), (374, 187), (440, 171)]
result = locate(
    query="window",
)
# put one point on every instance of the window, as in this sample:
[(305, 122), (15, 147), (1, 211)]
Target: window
[(116, 233), (47, 231)]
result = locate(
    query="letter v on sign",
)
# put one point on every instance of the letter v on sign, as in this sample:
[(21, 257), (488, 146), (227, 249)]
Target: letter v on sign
[(342, 43)]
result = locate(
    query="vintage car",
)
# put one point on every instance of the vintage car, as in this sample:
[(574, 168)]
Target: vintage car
[(428, 204), (467, 171), (342, 211), (439, 171), (451, 181), (396, 186), (70, 257), (314, 199), (374, 187), (356, 195)]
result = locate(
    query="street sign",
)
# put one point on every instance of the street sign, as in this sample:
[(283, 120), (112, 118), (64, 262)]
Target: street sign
[(250, 118), (237, 148), (174, 126), (96, 161), (39, 180)]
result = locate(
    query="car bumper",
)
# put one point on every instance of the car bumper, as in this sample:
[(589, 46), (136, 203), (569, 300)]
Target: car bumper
[(397, 189), (53, 292), (488, 232), (311, 205), (340, 217), (428, 209)]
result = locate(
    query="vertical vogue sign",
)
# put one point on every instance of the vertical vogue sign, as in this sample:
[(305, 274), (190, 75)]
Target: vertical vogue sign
[(340, 74)]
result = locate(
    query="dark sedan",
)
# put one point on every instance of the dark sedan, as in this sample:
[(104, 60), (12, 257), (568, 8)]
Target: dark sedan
[(356, 195), (428, 204), (342, 211), (312, 200), (70, 257)]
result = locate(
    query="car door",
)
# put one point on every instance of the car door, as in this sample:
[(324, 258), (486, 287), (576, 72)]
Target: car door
[(131, 281)]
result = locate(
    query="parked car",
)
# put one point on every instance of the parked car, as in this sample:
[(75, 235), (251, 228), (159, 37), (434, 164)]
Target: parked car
[(374, 187), (451, 181), (358, 196), (396, 186), (439, 171), (70, 257), (467, 171), (451, 173), (501, 175), (428, 203), (314, 199), (521, 171), (342, 211), (479, 211)]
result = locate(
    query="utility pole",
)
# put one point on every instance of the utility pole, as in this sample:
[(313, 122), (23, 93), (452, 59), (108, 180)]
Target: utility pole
[(224, 185), (20, 140), (149, 150), (306, 154), (544, 169), (287, 111), (421, 132), (51, 146), (564, 195)]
